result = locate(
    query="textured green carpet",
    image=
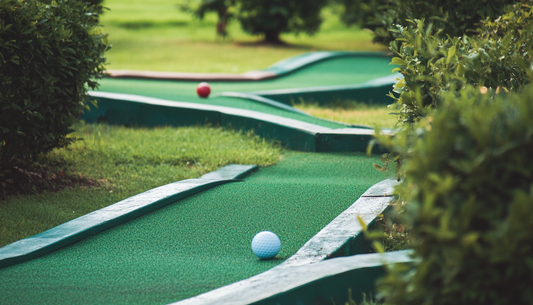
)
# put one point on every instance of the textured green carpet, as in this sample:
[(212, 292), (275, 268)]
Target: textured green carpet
[(333, 72), (197, 244)]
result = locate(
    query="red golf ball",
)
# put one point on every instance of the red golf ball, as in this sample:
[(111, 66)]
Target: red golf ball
[(203, 90)]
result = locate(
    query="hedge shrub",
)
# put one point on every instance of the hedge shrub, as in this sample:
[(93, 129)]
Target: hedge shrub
[(51, 52), (498, 56), (469, 192), (451, 17), (98, 6)]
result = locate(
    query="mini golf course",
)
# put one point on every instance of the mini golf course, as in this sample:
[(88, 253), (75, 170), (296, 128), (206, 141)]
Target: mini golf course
[(254, 104), (160, 247), (319, 76)]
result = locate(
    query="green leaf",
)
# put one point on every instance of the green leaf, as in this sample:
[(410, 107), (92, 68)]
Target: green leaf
[(362, 223), (400, 84), (378, 247), (451, 53), (16, 107), (428, 30), (15, 60), (397, 61), (507, 40), (521, 63), (470, 238), (460, 71)]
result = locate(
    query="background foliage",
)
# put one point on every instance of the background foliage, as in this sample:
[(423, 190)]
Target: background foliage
[(465, 102), (269, 18), (98, 5), (497, 57), (453, 18), (51, 51), (223, 8), (273, 17), (469, 188)]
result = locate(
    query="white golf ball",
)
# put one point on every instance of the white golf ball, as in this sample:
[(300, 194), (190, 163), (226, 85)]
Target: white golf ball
[(266, 245)]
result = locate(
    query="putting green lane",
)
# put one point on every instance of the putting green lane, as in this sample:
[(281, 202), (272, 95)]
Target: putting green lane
[(331, 72), (199, 243), (250, 105)]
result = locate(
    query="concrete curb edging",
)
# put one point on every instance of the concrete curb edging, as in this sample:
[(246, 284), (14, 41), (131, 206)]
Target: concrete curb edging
[(120, 212), (262, 100), (330, 279), (128, 109), (374, 90), (198, 77), (273, 103), (297, 62), (341, 237), (313, 284)]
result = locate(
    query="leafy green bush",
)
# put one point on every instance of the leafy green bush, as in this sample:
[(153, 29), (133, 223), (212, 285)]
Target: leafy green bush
[(498, 56), (360, 12), (376, 15), (453, 18), (98, 6), (51, 51), (469, 192), (273, 17)]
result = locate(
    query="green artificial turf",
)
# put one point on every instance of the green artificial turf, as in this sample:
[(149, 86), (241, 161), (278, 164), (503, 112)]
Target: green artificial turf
[(199, 243), (332, 72)]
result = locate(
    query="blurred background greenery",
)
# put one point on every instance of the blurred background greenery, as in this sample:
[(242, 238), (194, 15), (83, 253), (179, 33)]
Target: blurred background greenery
[(157, 35)]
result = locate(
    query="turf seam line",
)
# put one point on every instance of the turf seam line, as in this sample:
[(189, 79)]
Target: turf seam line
[(120, 212), (339, 237)]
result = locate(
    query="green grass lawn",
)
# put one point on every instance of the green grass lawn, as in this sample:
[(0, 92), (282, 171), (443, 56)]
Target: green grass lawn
[(352, 112), (124, 162), (155, 35)]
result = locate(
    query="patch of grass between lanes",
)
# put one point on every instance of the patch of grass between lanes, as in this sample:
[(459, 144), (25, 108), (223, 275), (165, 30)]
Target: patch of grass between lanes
[(126, 161), (350, 112)]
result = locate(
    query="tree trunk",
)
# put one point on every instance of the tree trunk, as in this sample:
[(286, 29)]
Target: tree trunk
[(272, 37)]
